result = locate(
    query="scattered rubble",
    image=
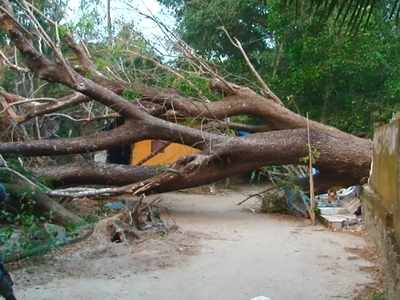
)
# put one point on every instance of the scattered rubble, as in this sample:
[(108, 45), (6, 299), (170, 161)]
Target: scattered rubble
[(341, 209)]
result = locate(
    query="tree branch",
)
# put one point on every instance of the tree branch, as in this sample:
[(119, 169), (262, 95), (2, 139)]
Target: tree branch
[(272, 148), (122, 135), (265, 89), (96, 173)]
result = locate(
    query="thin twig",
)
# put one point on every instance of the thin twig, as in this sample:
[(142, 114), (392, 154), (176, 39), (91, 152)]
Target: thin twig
[(45, 36), (265, 89), (8, 169), (255, 195), (8, 63), (9, 105), (91, 119)]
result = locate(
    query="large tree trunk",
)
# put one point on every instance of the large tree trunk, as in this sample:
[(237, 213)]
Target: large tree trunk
[(343, 158), (340, 162)]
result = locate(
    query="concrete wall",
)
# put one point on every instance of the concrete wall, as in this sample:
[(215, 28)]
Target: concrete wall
[(381, 203)]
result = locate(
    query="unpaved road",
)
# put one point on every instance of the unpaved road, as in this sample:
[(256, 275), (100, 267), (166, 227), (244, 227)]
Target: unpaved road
[(221, 251)]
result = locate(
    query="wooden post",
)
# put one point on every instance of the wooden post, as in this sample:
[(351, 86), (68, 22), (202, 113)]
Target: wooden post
[(310, 162)]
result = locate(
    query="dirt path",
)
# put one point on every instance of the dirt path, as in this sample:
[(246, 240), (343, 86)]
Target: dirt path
[(221, 251)]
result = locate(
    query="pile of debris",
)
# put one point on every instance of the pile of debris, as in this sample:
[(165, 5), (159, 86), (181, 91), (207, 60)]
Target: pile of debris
[(340, 209), (133, 217)]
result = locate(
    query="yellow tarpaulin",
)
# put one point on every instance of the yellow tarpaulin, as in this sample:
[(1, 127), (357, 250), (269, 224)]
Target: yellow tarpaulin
[(170, 153)]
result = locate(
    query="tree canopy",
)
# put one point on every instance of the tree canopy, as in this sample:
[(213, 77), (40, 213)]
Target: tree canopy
[(347, 79)]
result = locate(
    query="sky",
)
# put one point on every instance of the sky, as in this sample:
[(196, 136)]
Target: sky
[(119, 9)]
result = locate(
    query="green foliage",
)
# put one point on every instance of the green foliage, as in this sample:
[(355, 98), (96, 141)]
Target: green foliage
[(5, 234), (16, 170), (348, 81), (199, 20), (8, 80), (259, 176), (21, 226), (22, 230), (24, 217), (378, 297), (192, 85), (315, 154), (130, 94), (90, 21)]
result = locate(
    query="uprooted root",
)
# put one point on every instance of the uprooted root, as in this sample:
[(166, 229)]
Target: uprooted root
[(138, 216)]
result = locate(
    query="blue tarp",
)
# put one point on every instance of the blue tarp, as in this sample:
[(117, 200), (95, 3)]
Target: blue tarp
[(243, 133), (298, 200)]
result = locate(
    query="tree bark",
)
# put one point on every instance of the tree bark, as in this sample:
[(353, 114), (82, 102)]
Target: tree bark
[(340, 162), (96, 174)]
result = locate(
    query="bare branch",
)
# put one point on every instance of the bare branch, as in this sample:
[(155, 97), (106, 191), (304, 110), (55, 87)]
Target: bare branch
[(61, 103), (8, 63), (259, 194), (11, 113), (265, 89), (45, 36), (27, 101), (96, 142), (85, 120)]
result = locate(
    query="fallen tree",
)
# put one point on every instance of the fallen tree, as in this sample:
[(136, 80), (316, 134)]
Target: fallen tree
[(342, 157)]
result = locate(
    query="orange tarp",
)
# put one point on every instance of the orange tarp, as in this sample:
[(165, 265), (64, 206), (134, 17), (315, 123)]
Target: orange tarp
[(167, 156)]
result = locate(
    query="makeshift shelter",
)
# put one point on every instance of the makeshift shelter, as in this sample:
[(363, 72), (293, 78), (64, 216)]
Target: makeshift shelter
[(147, 152)]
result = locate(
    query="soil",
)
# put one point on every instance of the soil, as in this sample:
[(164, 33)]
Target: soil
[(218, 250)]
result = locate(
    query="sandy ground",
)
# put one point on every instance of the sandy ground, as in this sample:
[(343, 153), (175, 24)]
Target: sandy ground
[(220, 251)]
